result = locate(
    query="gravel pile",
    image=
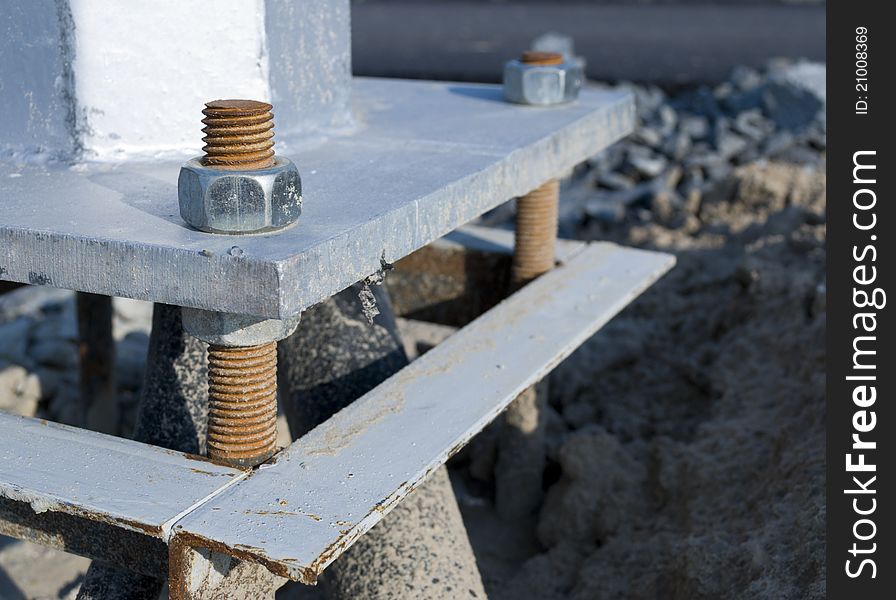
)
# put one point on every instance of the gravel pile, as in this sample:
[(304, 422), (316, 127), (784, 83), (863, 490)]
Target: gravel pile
[(688, 142)]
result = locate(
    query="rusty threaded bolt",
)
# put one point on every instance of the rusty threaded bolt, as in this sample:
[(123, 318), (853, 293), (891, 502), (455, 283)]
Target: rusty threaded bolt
[(239, 135), (242, 404), (535, 236), (242, 381), (239, 187), (522, 429)]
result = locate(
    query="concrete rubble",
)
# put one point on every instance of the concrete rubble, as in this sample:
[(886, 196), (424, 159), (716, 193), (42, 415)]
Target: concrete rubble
[(689, 141)]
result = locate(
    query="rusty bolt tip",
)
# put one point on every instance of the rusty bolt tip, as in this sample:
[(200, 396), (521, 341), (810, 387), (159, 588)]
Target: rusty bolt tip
[(537, 58), (236, 106), (238, 135)]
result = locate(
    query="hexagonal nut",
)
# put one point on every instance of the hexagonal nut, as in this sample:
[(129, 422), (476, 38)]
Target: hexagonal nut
[(252, 201), (542, 85), (233, 330)]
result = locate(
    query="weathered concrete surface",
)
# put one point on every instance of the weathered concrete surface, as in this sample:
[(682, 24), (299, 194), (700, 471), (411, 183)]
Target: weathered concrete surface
[(335, 357), (201, 574), (520, 454), (173, 409), (420, 550)]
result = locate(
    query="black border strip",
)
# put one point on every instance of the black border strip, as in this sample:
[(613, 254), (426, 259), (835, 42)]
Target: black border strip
[(861, 266)]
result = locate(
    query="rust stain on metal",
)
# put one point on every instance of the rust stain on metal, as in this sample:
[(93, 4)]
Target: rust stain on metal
[(333, 551), (239, 135), (537, 58), (352, 530), (283, 513), (242, 404), (93, 538), (178, 569), (306, 575), (41, 505), (152, 530), (209, 473), (348, 537), (204, 459)]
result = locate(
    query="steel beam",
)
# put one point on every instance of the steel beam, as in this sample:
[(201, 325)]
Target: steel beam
[(423, 159), (300, 512), (121, 501), (97, 495)]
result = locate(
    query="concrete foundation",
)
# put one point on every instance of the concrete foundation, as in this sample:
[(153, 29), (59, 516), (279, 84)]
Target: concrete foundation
[(421, 549)]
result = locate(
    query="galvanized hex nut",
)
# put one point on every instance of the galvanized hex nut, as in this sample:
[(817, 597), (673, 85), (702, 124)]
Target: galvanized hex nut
[(234, 330), (252, 201), (542, 85)]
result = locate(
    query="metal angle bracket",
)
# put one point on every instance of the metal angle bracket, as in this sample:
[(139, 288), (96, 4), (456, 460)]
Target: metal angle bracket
[(97, 495), (301, 511), (123, 500)]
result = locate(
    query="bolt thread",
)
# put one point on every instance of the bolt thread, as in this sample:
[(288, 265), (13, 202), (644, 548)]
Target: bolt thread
[(239, 135), (536, 233), (536, 58), (242, 403)]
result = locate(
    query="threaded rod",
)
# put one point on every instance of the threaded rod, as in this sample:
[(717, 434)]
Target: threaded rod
[(239, 134), (536, 232), (242, 404)]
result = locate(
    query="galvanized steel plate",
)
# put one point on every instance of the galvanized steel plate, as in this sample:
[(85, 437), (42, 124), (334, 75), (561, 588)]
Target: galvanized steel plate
[(423, 159), (102, 478), (298, 514)]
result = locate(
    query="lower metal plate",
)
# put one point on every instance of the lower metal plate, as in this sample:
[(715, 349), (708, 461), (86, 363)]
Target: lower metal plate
[(301, 512), (102, 479)]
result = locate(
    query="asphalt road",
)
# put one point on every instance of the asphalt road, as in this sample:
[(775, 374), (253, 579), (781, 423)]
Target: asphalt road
[(667, 44)]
